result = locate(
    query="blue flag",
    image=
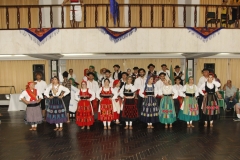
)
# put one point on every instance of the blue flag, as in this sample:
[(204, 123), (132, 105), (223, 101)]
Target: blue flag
[(114, 10)]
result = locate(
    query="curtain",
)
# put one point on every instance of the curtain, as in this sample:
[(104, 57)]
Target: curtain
[(23, 14), (78, 66), (202, 10), (18, 73)]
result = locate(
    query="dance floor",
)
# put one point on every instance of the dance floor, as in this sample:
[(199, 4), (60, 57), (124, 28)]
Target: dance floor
[(221, 142)]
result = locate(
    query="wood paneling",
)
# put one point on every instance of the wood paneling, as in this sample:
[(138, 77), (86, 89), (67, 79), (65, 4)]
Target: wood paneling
[(18, 73)]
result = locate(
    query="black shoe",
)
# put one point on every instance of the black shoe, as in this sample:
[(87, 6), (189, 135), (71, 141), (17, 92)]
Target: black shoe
[(236, 119)]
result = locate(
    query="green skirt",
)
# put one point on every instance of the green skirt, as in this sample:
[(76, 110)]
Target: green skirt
[(167, 114)]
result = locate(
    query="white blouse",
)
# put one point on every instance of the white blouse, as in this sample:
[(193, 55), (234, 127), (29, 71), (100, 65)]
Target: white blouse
[(127, 86), (179, 89), (141, 92), (77, 96), (25, 95), (140, 82), (158, 85), (184, 89), (115, 95), (209, 85), (116, 89), (93, 85), (166, 90), (60, 90)]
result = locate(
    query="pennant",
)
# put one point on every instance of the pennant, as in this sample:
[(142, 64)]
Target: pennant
[(40, 35), (114, 10), (117, 36), (204, 33)]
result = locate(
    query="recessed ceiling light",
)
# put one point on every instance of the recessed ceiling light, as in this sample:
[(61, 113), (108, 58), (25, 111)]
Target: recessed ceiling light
[(224, 53), (87, 54)]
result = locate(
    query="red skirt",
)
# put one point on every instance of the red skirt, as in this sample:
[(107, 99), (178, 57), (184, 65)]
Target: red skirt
[(106, 111), (180, 99), (84, 115)]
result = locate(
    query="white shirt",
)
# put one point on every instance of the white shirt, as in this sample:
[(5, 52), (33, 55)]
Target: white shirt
[(77, 95), (93, 86), (116, 75), (72, 76), (209, 85), (166, 90), (140, 82), (111, 82), (115, 95), (184, 89), (25, 95), (60, 90), (127, 86), (100, 77), (201, 81), (179, 89), (158, 85), (116, 89), (142, 91), (167, 72), (41, 86)]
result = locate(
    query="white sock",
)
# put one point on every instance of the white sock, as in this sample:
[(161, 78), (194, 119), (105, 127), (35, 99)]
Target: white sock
[(238, 115), (32, 125), (117, 120), (130, 123), (61, 124), (150, 124), (109, 124), (211, 122), (187, 122), (104, 123), (190, 122), (57, 125), (126, 123), (35, 125)]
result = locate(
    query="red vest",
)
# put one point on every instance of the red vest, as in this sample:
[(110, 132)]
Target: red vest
[(74, 1)]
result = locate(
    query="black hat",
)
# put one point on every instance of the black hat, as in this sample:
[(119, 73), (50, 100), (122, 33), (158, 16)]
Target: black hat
[(151, 65), (65, 74), (125, 73), (107, 71), (162, 73), (116, 65), (177, 66), (163, 65), (135, 68), (205, 69), (141, 69), (177, 78), (90, 73)]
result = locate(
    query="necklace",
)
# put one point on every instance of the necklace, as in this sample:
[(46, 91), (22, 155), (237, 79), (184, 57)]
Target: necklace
[(55, 90)]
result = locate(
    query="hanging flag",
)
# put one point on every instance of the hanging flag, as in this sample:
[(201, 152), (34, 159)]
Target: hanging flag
[(171, 75), (186, 75), (114, 10)]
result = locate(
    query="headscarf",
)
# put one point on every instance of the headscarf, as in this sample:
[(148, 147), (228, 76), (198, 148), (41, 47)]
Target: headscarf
[(28, 84), (115, 83), (83, 82), (147, 82), (73, 82)]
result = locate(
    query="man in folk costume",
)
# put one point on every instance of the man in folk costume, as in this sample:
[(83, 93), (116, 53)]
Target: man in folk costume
[(41, 86), (117, 74), (178, 101), (135, 73), (108, 76), (123, 79), (32, 98), (77, 10), (165, 70), (92, 69), (178, 73), (93, 86), (158, 85), (66, 99), (139, 83), (152, 72)]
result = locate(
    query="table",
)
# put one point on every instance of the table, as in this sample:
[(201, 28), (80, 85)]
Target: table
[(15, 104)]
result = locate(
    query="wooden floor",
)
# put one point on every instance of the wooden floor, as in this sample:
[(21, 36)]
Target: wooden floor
[(222, 142)]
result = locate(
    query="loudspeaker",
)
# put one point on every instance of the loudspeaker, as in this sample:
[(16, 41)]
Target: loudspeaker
[(38, 68), (210, 66)]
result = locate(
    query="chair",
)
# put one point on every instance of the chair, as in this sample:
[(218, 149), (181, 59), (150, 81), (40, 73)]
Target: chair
[(224, 18), (221, 101), (211, 18)]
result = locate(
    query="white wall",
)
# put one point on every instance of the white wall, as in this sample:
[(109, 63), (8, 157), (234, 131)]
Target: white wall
[(143, 41)]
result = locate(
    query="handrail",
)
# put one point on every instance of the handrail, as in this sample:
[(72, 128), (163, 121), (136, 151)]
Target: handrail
[(146, 19)]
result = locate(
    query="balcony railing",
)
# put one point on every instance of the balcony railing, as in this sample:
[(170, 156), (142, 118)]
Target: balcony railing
[(130, 15)]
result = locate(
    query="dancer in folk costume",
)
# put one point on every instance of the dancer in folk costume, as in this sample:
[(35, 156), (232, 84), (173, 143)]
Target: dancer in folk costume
[(32, 98), (149, 113), (210, 107), (130, 111), (84, 114), (139, 83), (158, 85), (56, 112), (77, 12), (179, 100), (107, 112), (189, 109), (117, 103), (167, 114)]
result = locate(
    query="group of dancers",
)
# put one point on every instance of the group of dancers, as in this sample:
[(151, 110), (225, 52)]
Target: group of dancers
[(122, 98)]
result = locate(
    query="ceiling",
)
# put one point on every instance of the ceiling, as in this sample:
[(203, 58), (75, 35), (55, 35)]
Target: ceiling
[(118, 56)]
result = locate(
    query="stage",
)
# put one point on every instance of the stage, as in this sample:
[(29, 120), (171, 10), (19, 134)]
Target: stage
[(217, 143)]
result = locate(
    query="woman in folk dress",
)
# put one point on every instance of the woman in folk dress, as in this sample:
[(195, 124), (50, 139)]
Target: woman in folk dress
[(117, 102), (84, 114)]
